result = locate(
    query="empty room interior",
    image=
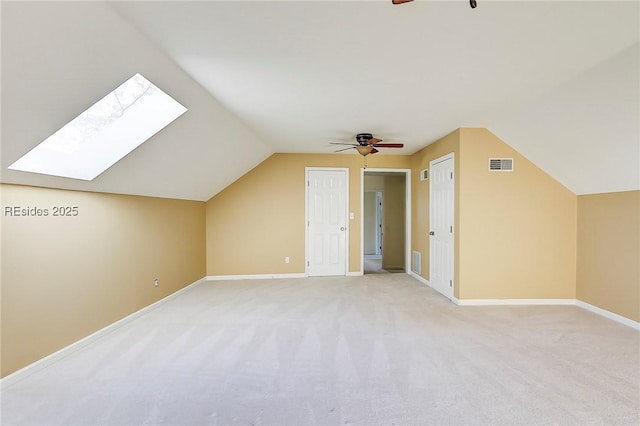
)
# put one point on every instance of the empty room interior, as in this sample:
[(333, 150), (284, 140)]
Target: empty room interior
[(320, 212)]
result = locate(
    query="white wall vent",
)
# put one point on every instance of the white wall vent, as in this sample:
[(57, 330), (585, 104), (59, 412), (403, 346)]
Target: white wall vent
[(500, 164), (416, 262), (424, 174)]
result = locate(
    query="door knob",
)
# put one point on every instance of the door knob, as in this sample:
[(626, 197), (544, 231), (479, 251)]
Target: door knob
[(342, 228), (432, 233)]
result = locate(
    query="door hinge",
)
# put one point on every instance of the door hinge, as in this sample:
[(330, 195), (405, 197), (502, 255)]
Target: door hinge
[(308, 183), (450, 283), (307, 263), (451, 229)]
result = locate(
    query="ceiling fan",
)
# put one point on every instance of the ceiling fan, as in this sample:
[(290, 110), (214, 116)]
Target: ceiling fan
[(472, 3), (367, 144)]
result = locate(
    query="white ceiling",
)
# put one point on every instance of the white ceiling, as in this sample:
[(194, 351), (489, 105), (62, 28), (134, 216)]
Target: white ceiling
[(558, 81)]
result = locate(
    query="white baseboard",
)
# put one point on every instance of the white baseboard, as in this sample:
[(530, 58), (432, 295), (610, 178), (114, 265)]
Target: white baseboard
[(85, 341), (254, 277), (268, 276), (607, 314), (428, 284), (514, 302), (419, 278), (521, 302)]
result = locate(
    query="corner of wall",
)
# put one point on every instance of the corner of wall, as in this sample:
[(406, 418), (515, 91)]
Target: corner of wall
[(608, 249), (517, 229)]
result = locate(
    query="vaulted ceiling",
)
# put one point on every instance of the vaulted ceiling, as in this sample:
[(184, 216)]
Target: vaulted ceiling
[(558, 81)]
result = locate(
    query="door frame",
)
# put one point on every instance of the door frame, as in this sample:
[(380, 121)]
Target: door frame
[(450, 156), (378, 219), (407, 220), (378, 223), (306, 214)]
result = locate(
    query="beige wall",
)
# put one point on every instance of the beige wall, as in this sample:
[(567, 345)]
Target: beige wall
[(64, 278), (609, 252), (374, 181), (517, 230), (259, 220), (393, 221)]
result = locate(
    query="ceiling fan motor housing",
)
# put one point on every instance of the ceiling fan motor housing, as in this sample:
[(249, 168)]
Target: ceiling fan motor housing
[(363, 138)]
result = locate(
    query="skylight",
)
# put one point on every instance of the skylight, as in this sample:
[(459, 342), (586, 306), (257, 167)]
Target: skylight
[(105, 133)]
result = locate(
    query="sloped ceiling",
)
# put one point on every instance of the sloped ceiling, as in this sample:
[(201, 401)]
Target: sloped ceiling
[(58, 58), (556, 80)]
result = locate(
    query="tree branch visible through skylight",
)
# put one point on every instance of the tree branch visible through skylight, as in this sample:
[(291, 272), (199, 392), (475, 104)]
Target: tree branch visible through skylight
[(104, 133)]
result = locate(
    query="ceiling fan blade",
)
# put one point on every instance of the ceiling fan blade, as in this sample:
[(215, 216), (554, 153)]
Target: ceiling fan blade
[(340, 143), (389, 145), (373, 151), (374, 141), (344, 149), (400, 1)]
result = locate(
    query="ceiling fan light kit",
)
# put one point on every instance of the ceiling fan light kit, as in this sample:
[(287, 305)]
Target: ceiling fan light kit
[(364, 150)]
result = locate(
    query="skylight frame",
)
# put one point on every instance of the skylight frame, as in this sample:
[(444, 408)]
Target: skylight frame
[(105, 133)]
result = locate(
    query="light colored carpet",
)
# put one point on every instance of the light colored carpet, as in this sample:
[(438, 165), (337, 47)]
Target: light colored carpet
[(373, 265), (372, 350)]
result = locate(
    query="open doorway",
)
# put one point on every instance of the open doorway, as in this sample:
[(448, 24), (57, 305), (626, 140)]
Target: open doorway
[(385, 220)]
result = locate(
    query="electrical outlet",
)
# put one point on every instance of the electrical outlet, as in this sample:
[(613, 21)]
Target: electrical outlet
[(155, 282), (286, 259)]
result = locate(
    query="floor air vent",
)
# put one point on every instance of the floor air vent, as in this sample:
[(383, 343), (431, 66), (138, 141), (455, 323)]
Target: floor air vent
[(416, 261), (500, 164)]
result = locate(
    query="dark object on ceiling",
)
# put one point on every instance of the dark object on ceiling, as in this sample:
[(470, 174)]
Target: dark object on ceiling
[(472, 3), (367, 144)]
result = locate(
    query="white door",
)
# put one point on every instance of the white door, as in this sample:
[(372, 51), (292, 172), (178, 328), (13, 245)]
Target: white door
[(441, 214), (327, 222)]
